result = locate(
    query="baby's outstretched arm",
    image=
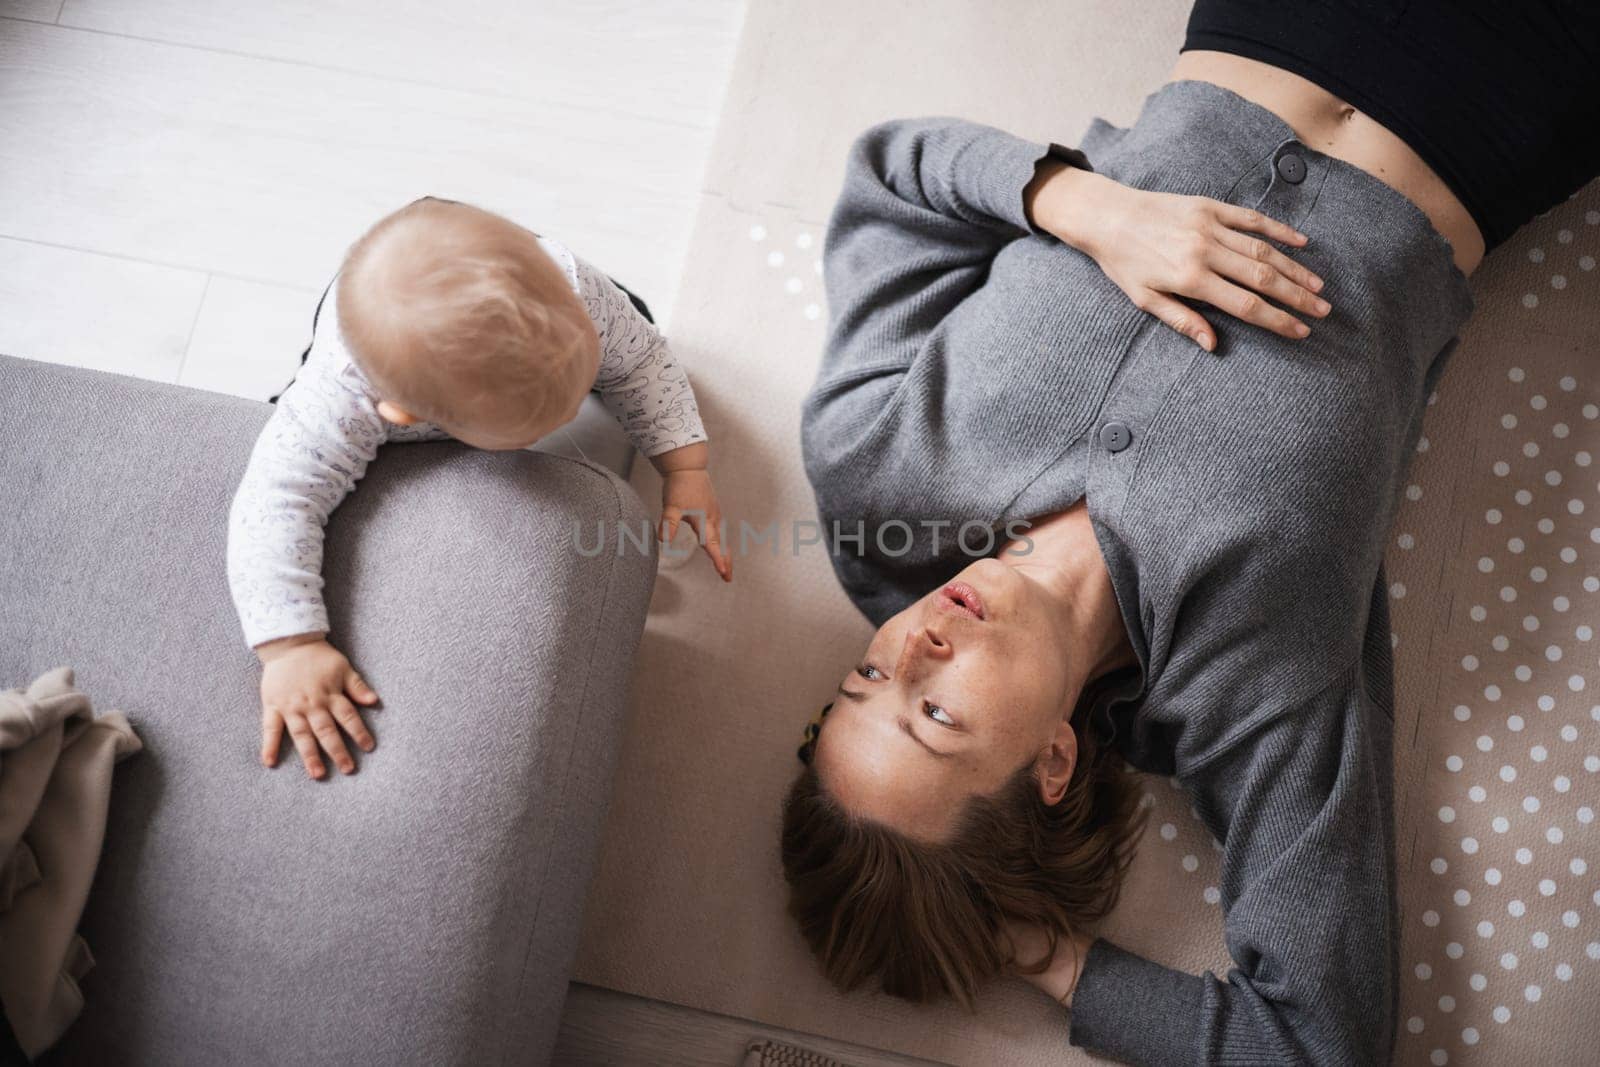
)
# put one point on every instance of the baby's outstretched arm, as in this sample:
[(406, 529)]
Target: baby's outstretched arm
[(647, 391), (314, 448)]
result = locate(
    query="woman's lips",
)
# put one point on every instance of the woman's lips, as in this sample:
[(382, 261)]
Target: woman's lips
[(961, 597)]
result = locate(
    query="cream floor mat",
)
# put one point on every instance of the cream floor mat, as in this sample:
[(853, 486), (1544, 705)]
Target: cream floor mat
[(1495, 566)]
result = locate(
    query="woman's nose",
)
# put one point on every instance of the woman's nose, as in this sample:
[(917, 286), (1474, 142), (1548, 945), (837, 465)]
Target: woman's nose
[(924, 643)]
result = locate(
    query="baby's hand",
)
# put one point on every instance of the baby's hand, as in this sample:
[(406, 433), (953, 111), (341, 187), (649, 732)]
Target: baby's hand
[(688, 496), (307, 687)]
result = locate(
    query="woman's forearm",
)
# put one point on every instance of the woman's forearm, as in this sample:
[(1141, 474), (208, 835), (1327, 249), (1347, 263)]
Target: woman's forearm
[(1070, 203)]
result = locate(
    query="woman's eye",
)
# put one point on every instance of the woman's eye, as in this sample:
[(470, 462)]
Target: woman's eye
[(938, 714), (868, 671)]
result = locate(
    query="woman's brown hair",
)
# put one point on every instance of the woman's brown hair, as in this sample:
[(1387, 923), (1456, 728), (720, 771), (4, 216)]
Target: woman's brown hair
[(929, 920)]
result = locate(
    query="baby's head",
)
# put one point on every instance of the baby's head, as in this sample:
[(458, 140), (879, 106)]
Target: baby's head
[(458, 318)]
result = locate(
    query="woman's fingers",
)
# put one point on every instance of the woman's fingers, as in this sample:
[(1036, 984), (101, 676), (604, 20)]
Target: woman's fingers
[(1195, 249), (1251, 307), (1254, 263), (1179, 316), (1243, 218), (1257, 249), (1264, 278)]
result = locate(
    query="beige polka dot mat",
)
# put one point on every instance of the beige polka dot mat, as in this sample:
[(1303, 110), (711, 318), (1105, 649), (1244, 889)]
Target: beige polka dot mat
[(1494, 572)]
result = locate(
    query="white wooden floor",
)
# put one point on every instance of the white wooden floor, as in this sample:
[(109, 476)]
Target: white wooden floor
[(179, 178)]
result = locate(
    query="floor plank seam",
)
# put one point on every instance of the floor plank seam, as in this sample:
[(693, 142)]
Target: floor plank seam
[(418, 83), (162, 263), (194, 324)]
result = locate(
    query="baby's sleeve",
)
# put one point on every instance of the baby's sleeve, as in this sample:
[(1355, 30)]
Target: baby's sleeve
[(310, 454), (639, 381)]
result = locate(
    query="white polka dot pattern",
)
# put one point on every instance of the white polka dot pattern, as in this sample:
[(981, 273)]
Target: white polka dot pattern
[(795, 260), (1493, 576)]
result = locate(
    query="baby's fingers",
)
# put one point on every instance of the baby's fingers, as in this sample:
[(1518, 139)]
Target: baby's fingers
[(271, 736), (719, 556), (349, 718), (332, 741), (359, 690), (305, 743), (708, 532), (667, 529)]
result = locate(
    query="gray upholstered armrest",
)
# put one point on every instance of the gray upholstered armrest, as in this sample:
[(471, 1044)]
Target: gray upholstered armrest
[(424, 910)]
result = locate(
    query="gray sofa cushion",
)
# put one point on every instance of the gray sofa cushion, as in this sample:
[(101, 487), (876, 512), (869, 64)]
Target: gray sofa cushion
[(595, 435), (425, 909)]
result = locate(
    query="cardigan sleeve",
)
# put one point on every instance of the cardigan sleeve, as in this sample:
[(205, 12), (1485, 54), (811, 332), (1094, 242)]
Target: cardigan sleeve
[(1298, 798), (928, 208), (926, 205)]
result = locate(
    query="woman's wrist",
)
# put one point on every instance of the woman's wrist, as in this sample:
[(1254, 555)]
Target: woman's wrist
[(1059, 980), (1069, 203)]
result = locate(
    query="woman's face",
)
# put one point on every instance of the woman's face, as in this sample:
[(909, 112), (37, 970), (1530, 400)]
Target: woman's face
[(953, 696)]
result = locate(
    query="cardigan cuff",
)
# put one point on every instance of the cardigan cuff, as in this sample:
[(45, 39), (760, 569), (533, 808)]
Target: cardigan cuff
[(1133, 1009), (995, 169), (1072, 157)]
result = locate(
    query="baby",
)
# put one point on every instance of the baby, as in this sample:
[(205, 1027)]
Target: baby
[(445, 321)]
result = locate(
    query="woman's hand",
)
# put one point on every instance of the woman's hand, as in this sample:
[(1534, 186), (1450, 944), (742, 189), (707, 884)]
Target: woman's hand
[(1060, 978), (1160, 246)]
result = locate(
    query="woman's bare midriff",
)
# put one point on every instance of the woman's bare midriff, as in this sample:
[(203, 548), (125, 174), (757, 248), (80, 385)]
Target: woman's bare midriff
[(1334, 127)]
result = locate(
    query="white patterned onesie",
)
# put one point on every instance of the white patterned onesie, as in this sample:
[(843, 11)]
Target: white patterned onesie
[(326, 429)]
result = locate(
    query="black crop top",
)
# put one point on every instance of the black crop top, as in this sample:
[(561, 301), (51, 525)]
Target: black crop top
[(1500, 97)]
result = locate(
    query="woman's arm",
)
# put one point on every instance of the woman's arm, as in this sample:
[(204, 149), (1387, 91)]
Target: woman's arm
[(926, 205), (1302, 807), (1159, 247)]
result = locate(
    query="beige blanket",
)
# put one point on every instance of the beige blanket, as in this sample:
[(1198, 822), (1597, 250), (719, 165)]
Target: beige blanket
[(688, 904), (55, 785)]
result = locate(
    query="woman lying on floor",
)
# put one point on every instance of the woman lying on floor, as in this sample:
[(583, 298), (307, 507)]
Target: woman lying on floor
[(1199, 591)]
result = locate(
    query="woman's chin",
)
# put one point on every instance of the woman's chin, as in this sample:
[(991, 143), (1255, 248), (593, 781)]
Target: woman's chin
[(992, 580)]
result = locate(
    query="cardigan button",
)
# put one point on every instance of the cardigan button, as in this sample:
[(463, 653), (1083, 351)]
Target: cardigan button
[(1292, 167), (1115, 436)]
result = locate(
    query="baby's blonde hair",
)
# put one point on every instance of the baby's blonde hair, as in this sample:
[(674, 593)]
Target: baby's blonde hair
[(457, 316)]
